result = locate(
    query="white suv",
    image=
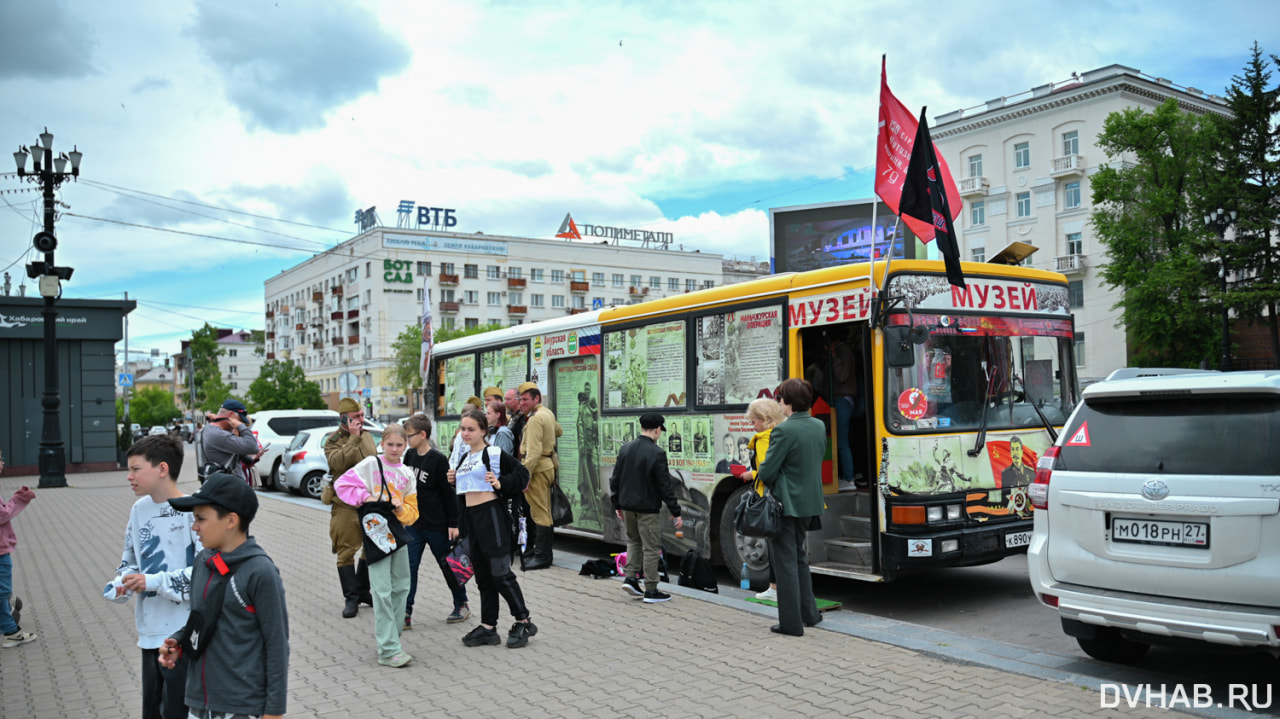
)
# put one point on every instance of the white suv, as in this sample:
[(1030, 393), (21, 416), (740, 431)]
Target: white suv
[(1158, 515), (277, 427)]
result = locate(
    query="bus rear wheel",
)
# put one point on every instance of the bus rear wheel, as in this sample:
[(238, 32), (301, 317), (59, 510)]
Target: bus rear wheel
[(735, 549)]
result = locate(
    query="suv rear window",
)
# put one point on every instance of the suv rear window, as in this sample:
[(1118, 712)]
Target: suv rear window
[(1219, 435), (283, 426)]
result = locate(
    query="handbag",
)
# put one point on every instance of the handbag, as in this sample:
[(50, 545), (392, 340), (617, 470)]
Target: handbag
[(561, 512), (384, 534), (758, 516), (459, 561)]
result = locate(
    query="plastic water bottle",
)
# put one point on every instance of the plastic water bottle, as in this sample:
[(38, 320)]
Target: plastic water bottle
[(746, 579)]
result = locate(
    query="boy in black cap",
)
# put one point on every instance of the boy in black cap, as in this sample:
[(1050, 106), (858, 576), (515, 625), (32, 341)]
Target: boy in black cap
[(238, 636), (640, 484)]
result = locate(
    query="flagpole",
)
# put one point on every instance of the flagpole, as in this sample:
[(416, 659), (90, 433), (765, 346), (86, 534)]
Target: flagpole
[(875, 204)]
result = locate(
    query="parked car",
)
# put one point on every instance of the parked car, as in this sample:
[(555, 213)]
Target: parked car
[(1157, 515), (305, 468), (159, 429), (275, 428)]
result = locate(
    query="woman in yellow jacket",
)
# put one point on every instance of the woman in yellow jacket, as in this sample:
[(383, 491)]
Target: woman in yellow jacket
[(765, 414)]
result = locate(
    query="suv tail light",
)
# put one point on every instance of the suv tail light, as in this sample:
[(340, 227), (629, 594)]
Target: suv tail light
[(1039, 489)]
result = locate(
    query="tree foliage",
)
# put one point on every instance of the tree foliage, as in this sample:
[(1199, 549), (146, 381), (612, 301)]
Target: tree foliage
[(282, 385), (406, 352), (211, 391), (149, 407)]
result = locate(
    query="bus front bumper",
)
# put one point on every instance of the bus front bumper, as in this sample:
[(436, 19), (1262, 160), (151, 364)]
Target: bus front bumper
[(905, 552)]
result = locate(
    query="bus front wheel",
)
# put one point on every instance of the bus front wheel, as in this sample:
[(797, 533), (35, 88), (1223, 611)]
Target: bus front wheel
[(735, 549)]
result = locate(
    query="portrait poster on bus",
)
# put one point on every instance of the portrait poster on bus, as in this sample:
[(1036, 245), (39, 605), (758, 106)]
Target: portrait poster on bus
[(506, 368), (459, 382), (994, 482), (739, 355), (645, 367), (577, 392)]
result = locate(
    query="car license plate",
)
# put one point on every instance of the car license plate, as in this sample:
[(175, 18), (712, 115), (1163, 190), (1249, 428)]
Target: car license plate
[(1155, 531), (1017, 539)]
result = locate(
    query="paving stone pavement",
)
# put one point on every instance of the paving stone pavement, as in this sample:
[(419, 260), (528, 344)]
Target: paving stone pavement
[(598, 652)]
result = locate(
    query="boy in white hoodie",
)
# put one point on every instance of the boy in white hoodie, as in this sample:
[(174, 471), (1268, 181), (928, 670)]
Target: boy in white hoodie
[(159, 550)]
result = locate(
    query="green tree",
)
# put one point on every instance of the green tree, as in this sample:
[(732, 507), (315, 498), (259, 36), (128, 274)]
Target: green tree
[(151, 406), (282, 385), (1154, 235), (406, 352), (443, 334), (1247, 152), (211, 391)]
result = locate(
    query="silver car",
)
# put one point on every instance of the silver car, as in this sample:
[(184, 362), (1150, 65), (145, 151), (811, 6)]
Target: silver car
[(304, 468)]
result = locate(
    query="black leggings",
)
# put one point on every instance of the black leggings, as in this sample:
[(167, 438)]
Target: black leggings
[(489, 535)]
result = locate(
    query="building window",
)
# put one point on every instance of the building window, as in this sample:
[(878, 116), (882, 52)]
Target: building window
[(1079, 349), (535, 301), (471, 323), (232, 370), (424, 269), (231, 353), (1071, 143), (557, 301), (368, 269), (473, 297), (471, 272), (579, 302), (1021, 155), (690, 285), (515, 323), (449, 323), (446, 295), (673, 284), (353, 274), (535, 275), (977, 213), (975, 165), (1075, 244), (235, 385), (1075, 293), (446, 268), (493, 272), (515, 298), (557, 276), (637, 281), (419, 295), (655, 282), (495, 298), (617, 279), (515, 273), (1071, 195), (580, 276), (1024, 204), (597, 279), (978, 254)]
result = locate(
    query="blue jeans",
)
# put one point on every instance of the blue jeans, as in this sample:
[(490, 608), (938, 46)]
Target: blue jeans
[(7, 625), (844, 455), (438, 540)]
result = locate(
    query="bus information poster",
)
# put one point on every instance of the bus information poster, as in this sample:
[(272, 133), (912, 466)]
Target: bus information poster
[(505, 368), (645, 366), (739, 354), (577, 393), (459, 382)]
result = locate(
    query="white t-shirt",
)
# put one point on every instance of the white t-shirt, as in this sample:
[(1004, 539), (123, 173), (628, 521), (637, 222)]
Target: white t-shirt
[(159, 543)]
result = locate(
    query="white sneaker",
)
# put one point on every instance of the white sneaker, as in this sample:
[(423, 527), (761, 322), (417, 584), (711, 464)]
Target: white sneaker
[(848, 485), (18, 639), (769, 594)]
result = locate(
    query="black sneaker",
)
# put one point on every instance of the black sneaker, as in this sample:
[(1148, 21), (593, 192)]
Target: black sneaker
[(653, 596), (481, 636), (519, 634), (631, 585)]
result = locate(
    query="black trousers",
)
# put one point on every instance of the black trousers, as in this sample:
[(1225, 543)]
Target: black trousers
[(789, 556), (164, 691), (489, 538)]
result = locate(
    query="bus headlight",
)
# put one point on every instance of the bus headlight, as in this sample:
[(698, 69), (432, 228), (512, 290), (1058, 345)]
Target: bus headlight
[(950, 545), (954, 512), (934, 513)]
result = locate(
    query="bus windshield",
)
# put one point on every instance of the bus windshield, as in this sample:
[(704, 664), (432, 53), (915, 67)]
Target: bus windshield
[(1011, 365)]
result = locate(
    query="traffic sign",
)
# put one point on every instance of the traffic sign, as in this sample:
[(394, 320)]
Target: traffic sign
[(126, 379), (367, 392), (597, 303)]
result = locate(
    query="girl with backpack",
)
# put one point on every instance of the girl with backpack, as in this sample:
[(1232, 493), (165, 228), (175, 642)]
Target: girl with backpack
[(485, 478)]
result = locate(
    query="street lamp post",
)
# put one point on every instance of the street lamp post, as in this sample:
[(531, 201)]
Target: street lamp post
[(1219, 221), (49, 171)]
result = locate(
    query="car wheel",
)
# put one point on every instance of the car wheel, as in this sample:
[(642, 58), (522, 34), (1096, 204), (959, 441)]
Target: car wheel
[(1109, 646), (277, 479), (313, 484), (735, 549)]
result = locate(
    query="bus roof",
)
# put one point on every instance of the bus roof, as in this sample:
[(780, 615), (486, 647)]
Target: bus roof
[(510, 335)]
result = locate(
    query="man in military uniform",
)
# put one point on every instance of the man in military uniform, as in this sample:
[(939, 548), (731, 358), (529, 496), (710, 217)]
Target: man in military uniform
[(538, 453), (344, 449)]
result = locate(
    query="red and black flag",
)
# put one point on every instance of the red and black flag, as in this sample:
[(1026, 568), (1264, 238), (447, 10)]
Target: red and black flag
[(924, 197)]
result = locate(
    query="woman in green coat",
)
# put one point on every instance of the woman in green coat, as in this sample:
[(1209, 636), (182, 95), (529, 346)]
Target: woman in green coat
[(792, 470)]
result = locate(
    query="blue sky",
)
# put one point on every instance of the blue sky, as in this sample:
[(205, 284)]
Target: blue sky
[(695, 118)]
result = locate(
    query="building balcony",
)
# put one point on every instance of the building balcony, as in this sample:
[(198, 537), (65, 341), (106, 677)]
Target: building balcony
[(1067, 165), (1070, 264), (516, 283), (317, 345), (336, 289), (353, 340), (270, 314), (973, 186), (353, 314), (577, 310), (284, 309), (448, 279), (336, 342), (639, 291), (317, 296), (336, 315), (449, 306), (271, 335), (271, 355), (300, 326), (517, 310), (579, 286)]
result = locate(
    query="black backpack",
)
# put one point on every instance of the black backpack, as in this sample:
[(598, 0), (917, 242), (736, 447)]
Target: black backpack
[(696, 572)]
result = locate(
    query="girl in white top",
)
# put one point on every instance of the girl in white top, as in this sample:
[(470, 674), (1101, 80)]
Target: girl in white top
[(389, 577)]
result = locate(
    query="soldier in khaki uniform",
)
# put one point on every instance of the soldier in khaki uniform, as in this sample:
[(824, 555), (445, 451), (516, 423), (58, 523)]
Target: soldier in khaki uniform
[(538, 453), (344, 449)]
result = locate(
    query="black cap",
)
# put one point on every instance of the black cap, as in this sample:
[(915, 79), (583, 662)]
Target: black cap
[(225, 490), (238, 407), (652, 420)]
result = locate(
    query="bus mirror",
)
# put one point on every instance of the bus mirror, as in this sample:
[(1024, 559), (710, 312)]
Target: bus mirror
[(898, 350), (919, 335)]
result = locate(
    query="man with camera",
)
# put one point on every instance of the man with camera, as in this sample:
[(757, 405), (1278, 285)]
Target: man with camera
[(344, 449), (228, 442)]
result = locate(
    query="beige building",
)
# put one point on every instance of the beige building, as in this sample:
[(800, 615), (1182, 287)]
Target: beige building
[(338, 313), (1022, 165)]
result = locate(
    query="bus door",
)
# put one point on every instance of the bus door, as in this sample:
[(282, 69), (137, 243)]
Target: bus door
[(575, 395), (836, 361)]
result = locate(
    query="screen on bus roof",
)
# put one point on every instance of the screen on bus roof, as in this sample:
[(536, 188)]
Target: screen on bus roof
[(816, 237)]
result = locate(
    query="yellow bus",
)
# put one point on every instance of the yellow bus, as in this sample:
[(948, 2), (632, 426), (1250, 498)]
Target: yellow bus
[(955, 394)]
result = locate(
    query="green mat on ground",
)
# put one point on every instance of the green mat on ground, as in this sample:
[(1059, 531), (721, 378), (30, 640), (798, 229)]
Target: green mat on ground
[(823, 604)]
